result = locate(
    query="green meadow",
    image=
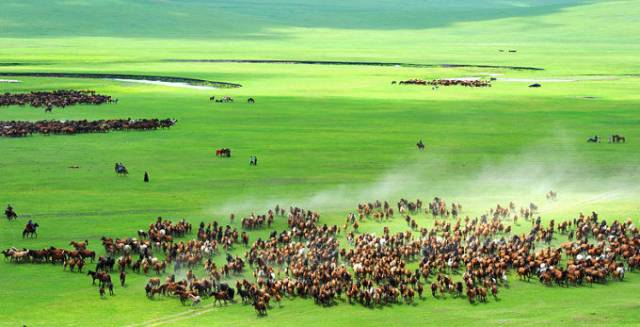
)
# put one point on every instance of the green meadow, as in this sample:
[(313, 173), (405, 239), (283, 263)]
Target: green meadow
[(327, 138)]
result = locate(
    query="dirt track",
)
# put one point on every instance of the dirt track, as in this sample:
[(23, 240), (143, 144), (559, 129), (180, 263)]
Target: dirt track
[(349, 63), (170, 79)]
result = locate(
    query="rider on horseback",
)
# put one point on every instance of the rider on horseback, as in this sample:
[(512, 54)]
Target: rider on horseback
[(120, 168), (10, 213)]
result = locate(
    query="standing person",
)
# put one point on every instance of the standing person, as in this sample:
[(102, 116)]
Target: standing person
[(146, 177), (255, 160)]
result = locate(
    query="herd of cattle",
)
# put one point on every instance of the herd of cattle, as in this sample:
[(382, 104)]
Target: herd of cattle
[(447, 82), (457, 257), (70, 127), (58, 98)]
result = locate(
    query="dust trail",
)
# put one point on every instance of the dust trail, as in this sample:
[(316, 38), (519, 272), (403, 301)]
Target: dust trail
[(410, 180), (522, 177)]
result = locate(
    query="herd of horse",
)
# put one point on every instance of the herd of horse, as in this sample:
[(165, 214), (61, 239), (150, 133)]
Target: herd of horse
[(227, 99), (447, 82), (466, 258), (63, 98), (224, 152), (455, 257), (58, 98), (615, 138), (70, 127)]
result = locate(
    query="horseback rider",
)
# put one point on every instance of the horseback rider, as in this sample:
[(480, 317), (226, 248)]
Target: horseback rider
[(10, 213), (29, 226)]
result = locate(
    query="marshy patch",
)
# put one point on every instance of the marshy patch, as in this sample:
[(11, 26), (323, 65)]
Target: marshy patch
[(149, 78), (348, 63)]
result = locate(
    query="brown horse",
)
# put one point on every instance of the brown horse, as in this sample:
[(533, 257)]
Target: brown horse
[(220, 297), (30, 231), (260, 307), (102, 277)]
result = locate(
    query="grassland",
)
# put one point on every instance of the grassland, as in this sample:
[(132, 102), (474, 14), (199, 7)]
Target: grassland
[(327, 137)]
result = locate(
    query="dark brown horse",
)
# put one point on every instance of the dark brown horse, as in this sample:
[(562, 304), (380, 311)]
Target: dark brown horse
[(260, 307), (30, 231)]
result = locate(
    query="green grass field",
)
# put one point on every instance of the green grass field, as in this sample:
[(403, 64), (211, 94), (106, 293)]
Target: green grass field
[(327, 137)]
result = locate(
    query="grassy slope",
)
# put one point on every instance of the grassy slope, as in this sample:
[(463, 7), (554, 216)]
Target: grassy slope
[(326, 137)]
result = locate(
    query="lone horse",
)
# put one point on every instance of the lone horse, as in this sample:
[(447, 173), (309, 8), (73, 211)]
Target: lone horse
[(594, 139), (30, 231)]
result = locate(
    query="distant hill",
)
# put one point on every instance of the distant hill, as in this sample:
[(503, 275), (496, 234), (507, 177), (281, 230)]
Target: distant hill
[(216, 18)]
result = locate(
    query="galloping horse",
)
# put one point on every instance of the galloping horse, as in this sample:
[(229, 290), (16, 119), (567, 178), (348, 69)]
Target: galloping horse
[(30, 230)]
